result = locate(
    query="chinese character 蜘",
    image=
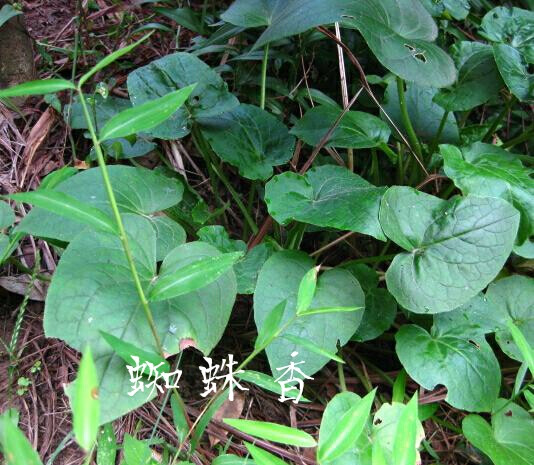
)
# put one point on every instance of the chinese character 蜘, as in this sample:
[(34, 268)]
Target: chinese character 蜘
[(288, 384), (210, 376), (139, 370)]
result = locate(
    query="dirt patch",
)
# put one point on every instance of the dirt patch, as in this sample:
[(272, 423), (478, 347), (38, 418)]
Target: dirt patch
[(46, 18)]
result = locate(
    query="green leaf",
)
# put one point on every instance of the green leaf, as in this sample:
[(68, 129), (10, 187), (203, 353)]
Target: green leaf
[(185, 17), (6, 13), (263, 457), (136, 452), (478, 78), (325, 197), (68, 207), (125, 350), (465, 365), (379, 314), (270, 326), (273, 432), (209, 98), (400, 34), (404, 445), (85, 404), (320, 310), (514, 71), (489, 171), (366, 276), (454, 248), (425, 115), (347, 431), (458, 9), (264, 381), (312, 347), (307, 286), (231, 459), (523, 345), (510, 438), (169, 234), (355, 130), (250, 139), (278, 281), (40, 87), (16, 448), (7, 216), (92, 290), (106, 449), (146, 116), (138, 190), (175, 279)]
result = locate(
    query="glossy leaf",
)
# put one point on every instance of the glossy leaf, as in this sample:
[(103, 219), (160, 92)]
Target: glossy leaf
[(44, 86), (86, 404), (272, 432), (404, 445), (454, 248), (69, 207), (263, 457), (306, 291), (146, 116), (325, 197), (251, 139), (106, 449), (270, 326)]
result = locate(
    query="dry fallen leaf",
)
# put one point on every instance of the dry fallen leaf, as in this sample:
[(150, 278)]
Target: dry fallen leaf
[(229, 409)]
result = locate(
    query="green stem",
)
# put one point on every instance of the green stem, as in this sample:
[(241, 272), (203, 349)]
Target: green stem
[(412, 137), (341, 375), (264, 75), (524, 136), (498, 120), (435, 141)]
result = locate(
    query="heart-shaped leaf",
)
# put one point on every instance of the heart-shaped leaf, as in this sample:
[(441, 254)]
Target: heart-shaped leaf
[(325, 197), (279, 280), (250, 139), (92, 290), (454, 248), (466, 366), (176, 71)]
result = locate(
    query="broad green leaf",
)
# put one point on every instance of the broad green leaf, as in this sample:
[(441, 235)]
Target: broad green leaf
[(379, 314), (366, 276), (209, 98), (264, 381), (270, 326), (511, 299), (273, 432), (7, 216), (136, 452), (106, 61), (175, 279), (68, 207), (146, 116), (125, 350), (106, 448), (478, 78), (336, 409), (185, 17), (15, 447), (355, 130), (454, 248), (514, 71), (400, 34), (509, 440), (425, 115), (6, 13), (312, 347), (490, 171), (92, 290), (458, 9), (347, 431), (326, 196), (307, 286), (465, 365), (250, 139), (169, 234), (404, 444), (262, 457), (40, 87), (86, 404), (137, 190), (278, 281)]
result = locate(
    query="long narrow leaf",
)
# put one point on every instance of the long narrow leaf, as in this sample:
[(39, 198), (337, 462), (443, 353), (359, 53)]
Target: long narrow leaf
[(69, 207), (404, 443), (270, 325), (262, 457), (347, 431), (307, 290), (40, 87), (273, 432), (16, 448), (192, 277), (264, 381), (523, 345), (312, 347), (146, 116), (317, 311)]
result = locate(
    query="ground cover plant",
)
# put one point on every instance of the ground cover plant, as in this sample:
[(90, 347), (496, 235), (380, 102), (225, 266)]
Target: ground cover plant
[(272, 232)]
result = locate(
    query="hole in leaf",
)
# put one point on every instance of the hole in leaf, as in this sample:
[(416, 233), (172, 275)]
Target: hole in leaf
[(377, 421), (419, 55), (509, 413), (474, 343)]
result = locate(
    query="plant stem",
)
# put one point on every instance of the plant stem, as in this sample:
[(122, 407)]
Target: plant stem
[(435, 141), (412, 137), (524, 136), (341, 376), (498, 120), (264, 75)]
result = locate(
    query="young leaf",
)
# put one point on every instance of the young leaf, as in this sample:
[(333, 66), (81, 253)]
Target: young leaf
[(106, 449), (404, 444), (125, 350), (7, 217), (263, 457), (16, 448), (85, 404), (523, 345), (136, 452), (264, 381), (312, 347), (347, 431), (189, 278), (179, 419), (321, 310), (69, 207), (6, 13), (40, 87), (270, 325), (378, 457), (307, 290), (146, 116), (273, 432)]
